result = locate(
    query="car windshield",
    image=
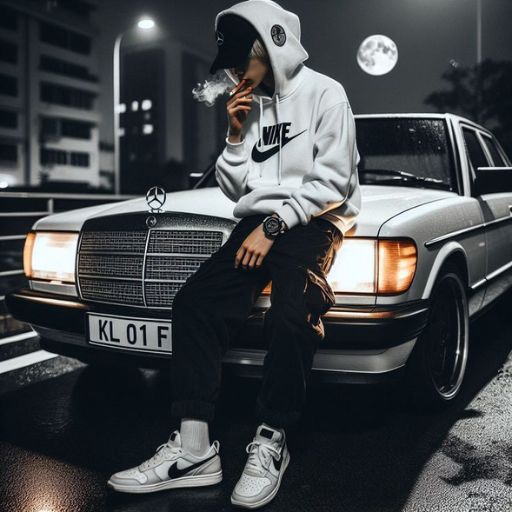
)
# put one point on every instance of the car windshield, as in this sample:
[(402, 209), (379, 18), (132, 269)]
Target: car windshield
[(409, 152), (405, 152)]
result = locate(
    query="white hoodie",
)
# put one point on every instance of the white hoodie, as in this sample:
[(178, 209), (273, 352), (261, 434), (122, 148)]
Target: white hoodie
[(298, 154)]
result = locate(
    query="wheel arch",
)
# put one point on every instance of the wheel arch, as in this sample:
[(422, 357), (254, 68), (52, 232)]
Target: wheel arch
[(451, 253)]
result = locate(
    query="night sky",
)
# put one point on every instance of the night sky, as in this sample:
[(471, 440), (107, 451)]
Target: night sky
[(428, 33)]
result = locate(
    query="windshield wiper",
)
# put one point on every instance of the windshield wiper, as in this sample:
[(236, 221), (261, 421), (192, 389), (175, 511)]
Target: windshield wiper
[(403, 174)]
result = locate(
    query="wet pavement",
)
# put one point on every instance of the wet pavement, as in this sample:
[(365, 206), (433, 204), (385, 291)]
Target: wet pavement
[(65, 427)]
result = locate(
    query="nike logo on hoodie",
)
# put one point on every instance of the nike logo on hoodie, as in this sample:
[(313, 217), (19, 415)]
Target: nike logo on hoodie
[(261, 156), (271, 133)]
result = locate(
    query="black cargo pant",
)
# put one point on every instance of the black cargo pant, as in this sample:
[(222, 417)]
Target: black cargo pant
[(213, 304)]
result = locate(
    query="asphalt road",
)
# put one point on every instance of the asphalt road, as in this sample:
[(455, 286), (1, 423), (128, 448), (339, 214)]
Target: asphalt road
[(65, 427)]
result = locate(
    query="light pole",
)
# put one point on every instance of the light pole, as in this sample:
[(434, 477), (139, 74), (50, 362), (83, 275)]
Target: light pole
[(478, 59), (478, 31), (478, 6), (145, 24)]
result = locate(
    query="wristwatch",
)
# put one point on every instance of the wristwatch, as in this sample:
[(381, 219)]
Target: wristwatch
[(273, 226)]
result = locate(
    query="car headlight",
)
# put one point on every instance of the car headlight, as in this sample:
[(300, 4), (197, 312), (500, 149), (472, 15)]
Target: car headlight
[(373, 266), (368, 265), (50, 256)]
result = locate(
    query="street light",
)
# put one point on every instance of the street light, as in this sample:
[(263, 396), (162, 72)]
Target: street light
[(144, 24)]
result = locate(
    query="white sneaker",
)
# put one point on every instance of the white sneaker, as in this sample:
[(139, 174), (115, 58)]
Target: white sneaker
[(171, 466), (264, 469)]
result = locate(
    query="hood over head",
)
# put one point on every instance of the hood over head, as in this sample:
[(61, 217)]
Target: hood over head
[(280, 32)]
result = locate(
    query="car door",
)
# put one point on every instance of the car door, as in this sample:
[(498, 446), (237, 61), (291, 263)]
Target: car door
[(500, 159), (495, 206)]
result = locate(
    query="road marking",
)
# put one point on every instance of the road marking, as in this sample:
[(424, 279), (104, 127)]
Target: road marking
[(18, 337), (25, 360)]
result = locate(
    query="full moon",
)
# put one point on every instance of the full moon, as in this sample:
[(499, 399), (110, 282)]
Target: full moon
[(377, 55)]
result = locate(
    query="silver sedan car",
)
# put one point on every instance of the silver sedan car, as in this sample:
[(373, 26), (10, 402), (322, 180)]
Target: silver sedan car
[(431, 250)]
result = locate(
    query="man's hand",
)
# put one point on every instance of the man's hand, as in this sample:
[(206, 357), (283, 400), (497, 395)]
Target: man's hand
[(253, 249)]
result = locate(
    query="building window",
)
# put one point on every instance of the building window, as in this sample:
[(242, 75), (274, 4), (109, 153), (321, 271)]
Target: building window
[(76, 129), (8, 153), (77, 7), (64, 38), (67, 96), (50, 126), (62, 67), (79, 159), (8, 85), (8, 51), (146, 104), (8, 18), (106, 146), (52, 156), (8, 119)]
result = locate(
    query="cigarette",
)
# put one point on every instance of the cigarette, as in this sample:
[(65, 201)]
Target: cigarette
[(233, 90)]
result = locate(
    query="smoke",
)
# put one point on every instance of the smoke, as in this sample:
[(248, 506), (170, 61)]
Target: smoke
[(210, 90)]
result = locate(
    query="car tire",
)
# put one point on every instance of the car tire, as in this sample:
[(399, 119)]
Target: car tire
[(434, 373)]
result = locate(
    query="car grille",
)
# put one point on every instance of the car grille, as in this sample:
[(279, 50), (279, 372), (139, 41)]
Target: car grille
[(143, 268)]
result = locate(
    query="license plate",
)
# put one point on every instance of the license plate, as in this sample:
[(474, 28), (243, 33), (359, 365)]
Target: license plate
[(140, 334)]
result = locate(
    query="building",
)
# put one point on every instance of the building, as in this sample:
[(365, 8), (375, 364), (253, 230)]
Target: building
[(49, 118), (167, 137)]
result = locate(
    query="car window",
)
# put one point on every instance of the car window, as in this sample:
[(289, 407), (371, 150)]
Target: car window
[(474, 149), (493, 150), (502, 152), (419, 146)]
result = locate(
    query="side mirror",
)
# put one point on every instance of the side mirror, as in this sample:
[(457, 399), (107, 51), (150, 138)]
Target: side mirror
[(492, 180)]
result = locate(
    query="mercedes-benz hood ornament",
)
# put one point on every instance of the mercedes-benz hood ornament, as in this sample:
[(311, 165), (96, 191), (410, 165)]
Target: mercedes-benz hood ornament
[(155, 198)]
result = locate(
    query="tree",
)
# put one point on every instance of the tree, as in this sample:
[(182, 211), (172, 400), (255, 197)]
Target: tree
[(492, 108)]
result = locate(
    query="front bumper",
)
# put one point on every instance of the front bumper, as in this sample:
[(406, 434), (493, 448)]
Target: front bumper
[(362, 344)]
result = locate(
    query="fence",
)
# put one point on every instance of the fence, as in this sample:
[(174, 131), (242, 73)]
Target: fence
[(18, 212)]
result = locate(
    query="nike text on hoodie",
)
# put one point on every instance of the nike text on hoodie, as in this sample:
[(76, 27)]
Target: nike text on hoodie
[(298, 154)]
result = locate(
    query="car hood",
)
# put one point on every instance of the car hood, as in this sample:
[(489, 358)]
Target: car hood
[(204, 201), (379, 204)]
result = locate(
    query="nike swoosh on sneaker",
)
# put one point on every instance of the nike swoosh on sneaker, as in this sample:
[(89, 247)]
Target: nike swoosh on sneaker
[(277, 463), (176, 472), (261, 156)]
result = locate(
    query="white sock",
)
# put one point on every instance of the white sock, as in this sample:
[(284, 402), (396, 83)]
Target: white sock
[(194, 436)]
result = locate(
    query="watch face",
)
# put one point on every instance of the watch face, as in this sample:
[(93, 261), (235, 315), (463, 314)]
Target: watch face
[(272, 225)]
